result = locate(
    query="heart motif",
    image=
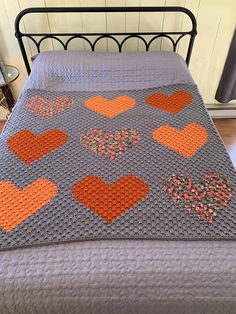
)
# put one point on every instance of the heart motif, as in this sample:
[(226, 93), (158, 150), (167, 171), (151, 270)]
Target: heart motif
[(109, 145), (173, 103), (185, 142), (204, 199), (44, 108), (110, 108), (30, 147), (107, 200), (16, 205)]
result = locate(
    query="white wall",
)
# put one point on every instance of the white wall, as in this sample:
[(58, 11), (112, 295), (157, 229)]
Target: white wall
[(216, 23)]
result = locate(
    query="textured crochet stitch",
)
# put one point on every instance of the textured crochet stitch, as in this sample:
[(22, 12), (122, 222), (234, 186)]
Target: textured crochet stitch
[(55, 186)]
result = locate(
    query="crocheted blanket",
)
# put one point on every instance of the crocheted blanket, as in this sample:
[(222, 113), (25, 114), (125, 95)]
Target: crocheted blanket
[(145, 164)]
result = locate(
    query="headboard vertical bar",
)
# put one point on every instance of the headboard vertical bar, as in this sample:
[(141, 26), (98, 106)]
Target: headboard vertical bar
[(190, 48), (23, 52)]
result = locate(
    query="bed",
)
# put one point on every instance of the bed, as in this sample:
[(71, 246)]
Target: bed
[(65, 252)]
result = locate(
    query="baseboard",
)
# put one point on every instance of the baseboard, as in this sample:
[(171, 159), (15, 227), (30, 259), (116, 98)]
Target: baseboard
[(230, 114), (214, 113)]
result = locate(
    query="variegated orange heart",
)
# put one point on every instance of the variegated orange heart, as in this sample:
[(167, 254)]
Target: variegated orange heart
[(205, 198), (109, 145), (44, 108)]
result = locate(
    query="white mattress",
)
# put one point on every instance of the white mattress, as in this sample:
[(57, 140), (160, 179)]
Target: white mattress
[(119, 277)]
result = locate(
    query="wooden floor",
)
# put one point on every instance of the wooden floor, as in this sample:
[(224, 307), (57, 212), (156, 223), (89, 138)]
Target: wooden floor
[(2, 122), (226, 128)]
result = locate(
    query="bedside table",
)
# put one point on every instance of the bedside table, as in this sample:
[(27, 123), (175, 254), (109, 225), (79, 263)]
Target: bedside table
[(10, 74)]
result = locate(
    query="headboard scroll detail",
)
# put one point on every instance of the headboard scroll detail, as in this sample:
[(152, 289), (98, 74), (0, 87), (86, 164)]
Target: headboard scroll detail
[(99, 36)]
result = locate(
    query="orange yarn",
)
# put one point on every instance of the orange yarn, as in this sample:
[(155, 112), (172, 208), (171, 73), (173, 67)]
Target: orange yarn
[(186, 142), (30, 147), (173, 103), (17, 205), (110, 107), (110, 200)]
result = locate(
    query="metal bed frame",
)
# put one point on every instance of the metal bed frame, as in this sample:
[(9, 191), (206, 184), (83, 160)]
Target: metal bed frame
[(92, 42)]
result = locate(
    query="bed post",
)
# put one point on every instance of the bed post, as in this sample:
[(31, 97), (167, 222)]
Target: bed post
[(19, 36), (190, 48), (24, 54)]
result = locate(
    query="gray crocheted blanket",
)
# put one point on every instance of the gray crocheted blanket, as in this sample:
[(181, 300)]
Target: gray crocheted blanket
[(145, 164)]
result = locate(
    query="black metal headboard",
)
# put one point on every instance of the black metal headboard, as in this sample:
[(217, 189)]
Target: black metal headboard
[(87, 36)]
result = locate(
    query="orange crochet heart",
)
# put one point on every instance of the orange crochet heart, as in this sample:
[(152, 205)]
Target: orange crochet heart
[(110, 107), (173, 103), (16, 205), (186, 142), (30, 147), (110, 200)]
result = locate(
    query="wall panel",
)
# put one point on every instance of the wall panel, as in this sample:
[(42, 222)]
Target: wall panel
[(171, 21), (219, 53), (70, 22), (209, 17), (186, 25), (115, 23), (96, 21), (32, 23), (132, 21), (151, 21)]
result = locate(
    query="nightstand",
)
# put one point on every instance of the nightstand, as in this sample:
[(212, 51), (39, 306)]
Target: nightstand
[(10, 74)]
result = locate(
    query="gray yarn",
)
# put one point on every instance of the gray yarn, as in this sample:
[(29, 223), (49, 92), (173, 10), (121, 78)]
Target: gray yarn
[(64, 219)]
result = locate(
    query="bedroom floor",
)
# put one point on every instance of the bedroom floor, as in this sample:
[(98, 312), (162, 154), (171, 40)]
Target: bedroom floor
[(226, 128)]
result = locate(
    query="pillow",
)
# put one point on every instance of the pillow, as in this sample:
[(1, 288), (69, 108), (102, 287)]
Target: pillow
[(93, 71)]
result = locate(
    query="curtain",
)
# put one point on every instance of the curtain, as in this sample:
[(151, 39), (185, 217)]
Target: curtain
[(227, 87)]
